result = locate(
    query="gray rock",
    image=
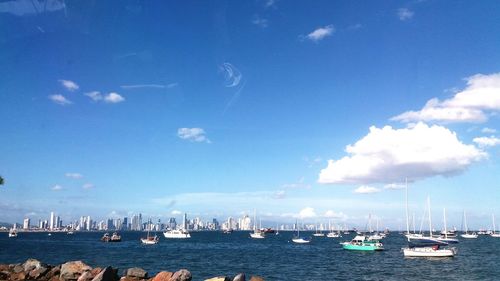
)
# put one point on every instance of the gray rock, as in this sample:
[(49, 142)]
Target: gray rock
[(18, 268), (181, 275), (73, 269), (107, 274), (137, 272), (38, 272), (31, 264), (239, 277)]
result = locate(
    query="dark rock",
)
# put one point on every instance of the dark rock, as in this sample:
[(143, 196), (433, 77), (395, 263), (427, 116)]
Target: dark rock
[(53, 272), (239, 277), (36, 273), (181, 275), (4, 267), (163, 276), (86, 276), (4, 275), (137, 272), (107, 274), (18, 276), (256, 278), (73, 269)]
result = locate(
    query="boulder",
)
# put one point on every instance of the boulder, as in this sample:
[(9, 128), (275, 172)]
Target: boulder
[(256, 278), (53, 272), (239, 277), (17, 268), (4, 275), (4, 267), (181, 275), (163, 276), (220, 278), (95, 271), (73, 269), (137, 272), (107, 274), (31, 264), (86, 276), (36, 273), (17, 276), (130, 278)]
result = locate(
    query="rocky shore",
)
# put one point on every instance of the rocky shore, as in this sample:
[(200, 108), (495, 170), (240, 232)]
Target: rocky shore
[(33, 269)]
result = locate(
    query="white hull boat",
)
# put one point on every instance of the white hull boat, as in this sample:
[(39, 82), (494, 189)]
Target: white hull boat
[(257, 235), (469, 235), (333, 235), (176, 234), (300, 240), (429, 252)]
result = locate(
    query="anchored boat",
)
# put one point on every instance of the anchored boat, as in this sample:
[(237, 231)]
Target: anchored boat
[(361, 243)]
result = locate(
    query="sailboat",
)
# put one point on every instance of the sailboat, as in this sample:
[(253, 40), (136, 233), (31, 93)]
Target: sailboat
[(318, 233), (376, 235), (494, 233), (12, 233), (467, 235), (447, 236), (299, 240), (332, 233), (422, 246), (150, 240), (257, 233), (277, 230)]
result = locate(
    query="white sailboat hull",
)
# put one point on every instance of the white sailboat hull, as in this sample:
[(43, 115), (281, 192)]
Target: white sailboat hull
[(319, 235), (469, 236), (495, 235), (429, 252), (257, 235), (300, 241), (149, 241)]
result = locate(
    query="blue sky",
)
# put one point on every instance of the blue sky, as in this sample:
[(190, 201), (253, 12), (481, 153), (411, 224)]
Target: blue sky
[(217, 108)]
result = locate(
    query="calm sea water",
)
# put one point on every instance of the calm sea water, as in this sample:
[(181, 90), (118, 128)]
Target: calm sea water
[(209, 254)]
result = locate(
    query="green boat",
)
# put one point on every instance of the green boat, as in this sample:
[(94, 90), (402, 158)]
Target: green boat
[(361, 243)]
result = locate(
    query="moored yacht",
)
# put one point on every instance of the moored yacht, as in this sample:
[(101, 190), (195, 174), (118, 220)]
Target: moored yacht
[(177, 234), (361, 243)]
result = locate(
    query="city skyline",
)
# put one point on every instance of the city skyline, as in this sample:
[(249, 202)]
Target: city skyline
[(311, 111)]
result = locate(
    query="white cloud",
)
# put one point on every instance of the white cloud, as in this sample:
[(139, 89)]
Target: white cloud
[(488, 130), (405, 14), (74, 175), (280, 194), (365, 189), (69, 85), (481, 96), (113, 98), (321, 33), (56, 187), (487, 141), (60, 99), (176, 213), (94, 95), (261, 22), (334, 215), (193, 134), (269, 3), (172, 85), (88, 186), (27, 7), (389, 155), (306, 213)]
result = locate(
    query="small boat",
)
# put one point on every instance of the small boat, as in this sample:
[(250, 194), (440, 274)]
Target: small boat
[(494, 232), (467, 235), (432, 251), (361, 243), (257, 233), (105, 237), (115, 237), (333, 234), (228, 231), (267, 230), (70, 232), (177, 234), (12, 233), (299, 240), (49, 234), (150, 240)]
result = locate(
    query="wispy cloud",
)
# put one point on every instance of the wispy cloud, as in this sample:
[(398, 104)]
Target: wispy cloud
[(73, 175), (488, 130), (88, 186), (261, 22), (405, 14), (113, 98), (69, 85), (56, 187), (394, 186), (355, 26), (94, 95), (60, 99), (365, 189), (270, 3), (176, 213), (487, 141), (387, 155), (141, 86), (232, 75), (27, 7), (321, 33), (193, 134)]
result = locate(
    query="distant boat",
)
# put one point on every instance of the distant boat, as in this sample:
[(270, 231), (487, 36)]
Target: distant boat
[(228, 231), (361, 243), (299, 240), (12, 233), (467, 235), (434, 251), (150, 240), (332, 233), (257, 232), (177, 234), (447, 236), (115, 237), (494, 233), (70, 232), (318, 233)]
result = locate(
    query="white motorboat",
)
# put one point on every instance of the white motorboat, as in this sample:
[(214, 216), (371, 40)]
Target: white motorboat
[(12, 233), (333, 234), (177, 234), (300, 240)]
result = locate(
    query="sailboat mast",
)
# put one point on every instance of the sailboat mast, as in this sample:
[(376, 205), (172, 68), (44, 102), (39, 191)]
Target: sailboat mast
[(465, 223), (406, 197), (444, 220), (493, 218), (429, 210)]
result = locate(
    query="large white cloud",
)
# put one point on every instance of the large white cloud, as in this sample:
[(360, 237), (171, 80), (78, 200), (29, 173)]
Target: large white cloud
[(388, 155), (487, 141), (480, 97)]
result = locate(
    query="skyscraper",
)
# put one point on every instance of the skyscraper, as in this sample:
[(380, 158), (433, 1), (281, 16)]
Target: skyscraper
[(184, 221), (52, 224), (26, 223)]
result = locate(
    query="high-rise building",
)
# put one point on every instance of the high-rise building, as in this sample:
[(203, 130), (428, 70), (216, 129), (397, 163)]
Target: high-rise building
[(172, 224), (89, 223), (184, 221), (26, 223), (52, 221), (125, 223)]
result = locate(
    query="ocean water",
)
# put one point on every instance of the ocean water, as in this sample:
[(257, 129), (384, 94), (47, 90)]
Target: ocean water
[(209, 254)]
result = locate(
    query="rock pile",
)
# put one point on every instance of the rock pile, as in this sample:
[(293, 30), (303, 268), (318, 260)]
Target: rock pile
[(33, 269)]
